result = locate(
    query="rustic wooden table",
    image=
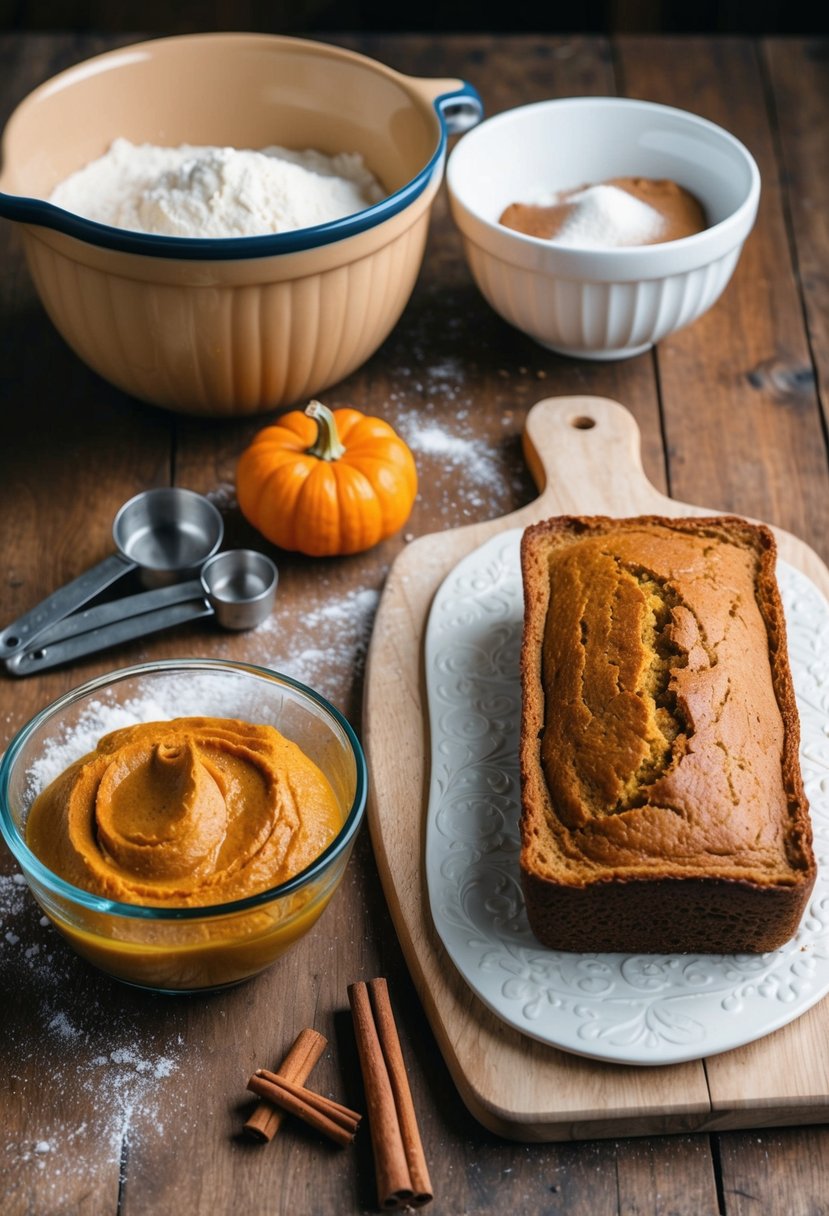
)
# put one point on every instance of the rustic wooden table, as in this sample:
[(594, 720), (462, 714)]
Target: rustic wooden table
[(118, 1101)]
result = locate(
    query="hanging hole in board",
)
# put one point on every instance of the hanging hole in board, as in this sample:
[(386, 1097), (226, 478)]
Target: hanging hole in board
[(582, 423)]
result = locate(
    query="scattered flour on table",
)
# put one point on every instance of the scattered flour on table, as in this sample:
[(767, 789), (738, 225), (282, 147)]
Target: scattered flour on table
[(472, 459), (217, 192), (324, 642), (469, 478), (436, 411), (223, 496), (106, 1072)]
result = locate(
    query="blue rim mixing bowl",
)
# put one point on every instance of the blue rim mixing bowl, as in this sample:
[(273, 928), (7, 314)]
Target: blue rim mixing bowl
[(457, 110)]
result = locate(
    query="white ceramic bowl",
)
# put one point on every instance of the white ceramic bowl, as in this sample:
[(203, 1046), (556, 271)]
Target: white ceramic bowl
[(600, 303)]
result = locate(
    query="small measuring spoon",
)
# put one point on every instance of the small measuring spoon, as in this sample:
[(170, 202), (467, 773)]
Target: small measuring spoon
[(238, 587), (163, 533)]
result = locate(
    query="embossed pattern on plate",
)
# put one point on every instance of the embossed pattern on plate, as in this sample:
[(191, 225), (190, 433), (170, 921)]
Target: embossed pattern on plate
[(638, 1009)]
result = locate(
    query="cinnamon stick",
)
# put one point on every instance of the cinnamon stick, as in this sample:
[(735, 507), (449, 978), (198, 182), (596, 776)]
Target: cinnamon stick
[(390, 1042), (297, 1065), (327, 1106), (399, 1162), (302, 1110)]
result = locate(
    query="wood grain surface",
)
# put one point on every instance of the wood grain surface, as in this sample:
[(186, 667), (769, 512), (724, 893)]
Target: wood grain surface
[(119, 1102)]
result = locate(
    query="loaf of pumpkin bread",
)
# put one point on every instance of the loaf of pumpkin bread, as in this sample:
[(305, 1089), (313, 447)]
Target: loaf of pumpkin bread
[(662, 803)]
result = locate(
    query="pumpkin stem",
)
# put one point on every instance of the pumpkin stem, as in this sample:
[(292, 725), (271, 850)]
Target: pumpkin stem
[(327, 445)]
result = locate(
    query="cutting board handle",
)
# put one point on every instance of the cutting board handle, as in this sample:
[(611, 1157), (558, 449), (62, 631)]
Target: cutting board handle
[(584, 454)]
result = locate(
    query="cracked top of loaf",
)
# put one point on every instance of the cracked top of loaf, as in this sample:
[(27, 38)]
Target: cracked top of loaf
[(659, 733)]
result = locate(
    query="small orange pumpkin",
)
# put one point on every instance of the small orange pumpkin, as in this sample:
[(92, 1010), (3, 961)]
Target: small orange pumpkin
[(323, 483)]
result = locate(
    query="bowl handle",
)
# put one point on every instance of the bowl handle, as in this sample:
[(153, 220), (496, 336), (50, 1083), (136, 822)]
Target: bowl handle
[(458, 104)]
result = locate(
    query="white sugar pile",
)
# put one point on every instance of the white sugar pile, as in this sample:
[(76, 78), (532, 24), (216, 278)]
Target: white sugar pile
[(606, 217)]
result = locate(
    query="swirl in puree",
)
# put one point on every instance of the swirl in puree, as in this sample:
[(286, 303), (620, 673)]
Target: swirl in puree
[(189, 812)]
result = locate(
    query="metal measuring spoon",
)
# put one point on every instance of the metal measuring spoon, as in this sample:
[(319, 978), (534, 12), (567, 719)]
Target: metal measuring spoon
[(237, 587), (163, 533)]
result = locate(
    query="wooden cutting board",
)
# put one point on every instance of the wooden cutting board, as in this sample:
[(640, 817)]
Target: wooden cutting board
[(584, 452)]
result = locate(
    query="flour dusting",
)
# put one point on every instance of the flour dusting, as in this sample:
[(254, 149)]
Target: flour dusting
[(217, 192), (113, 1064), (326, 642)]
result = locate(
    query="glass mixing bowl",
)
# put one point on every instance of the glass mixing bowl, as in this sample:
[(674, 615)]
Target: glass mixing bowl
[(190, 948)]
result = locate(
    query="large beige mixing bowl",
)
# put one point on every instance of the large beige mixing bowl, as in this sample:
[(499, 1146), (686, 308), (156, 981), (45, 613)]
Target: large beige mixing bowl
[(240, 325)]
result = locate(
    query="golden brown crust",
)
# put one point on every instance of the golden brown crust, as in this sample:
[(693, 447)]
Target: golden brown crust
[(662, 802)]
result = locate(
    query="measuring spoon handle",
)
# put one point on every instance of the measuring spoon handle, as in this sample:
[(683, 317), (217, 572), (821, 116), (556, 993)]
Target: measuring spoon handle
[(39, 659), (22, 632), (118, 610)]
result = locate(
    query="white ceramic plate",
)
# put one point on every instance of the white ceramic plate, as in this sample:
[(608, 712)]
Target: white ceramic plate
[(638, 1009)]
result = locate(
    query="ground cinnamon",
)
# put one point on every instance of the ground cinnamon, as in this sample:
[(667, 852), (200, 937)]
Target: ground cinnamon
[(267, 1119), (400, 1165)]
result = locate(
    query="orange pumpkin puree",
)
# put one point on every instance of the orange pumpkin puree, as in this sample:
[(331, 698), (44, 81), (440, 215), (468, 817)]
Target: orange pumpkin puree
[(189, 812)]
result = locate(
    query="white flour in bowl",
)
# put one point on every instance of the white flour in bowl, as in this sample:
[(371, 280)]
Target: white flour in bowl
[(217, 192)]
